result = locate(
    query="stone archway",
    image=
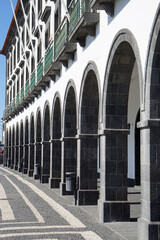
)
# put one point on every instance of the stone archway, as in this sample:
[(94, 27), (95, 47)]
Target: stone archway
[(45, 170), (69, 144), (150, 138), (122, 67), (9, 150), (31, 147), (17, 147), (21, 154), (88, 141), (38, 144), (56, 145), (13, 148), (25, 168)]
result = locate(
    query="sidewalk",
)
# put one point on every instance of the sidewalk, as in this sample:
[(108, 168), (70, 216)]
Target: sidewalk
[(88, 215)]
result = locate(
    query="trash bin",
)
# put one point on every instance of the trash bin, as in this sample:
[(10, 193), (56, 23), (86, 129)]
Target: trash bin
[(37, 169), (19, 165), (70, 181), (8, 162)]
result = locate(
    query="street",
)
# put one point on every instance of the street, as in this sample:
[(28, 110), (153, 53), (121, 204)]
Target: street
[(30, 210)]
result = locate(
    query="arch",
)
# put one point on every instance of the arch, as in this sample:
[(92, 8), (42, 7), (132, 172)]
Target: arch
[(31, 146), (17, 147), (123, 35), (89, 141), (26, 137), (21, 155), (150, 131), (69, 131), (56, 143), (38, 151), (13, 147), (91, 67), (123, 73), (9, 148), (45, 170), (70, 85)]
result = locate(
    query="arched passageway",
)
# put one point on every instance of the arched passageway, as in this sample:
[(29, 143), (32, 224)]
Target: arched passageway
[(89, 142), (69, 143), (31, 148), (149, 223), (9, 149), (38, 144), (25, 167), (21, 154), (45, 170), (120, 111), (13, 147), (56, 146), (17, 147)]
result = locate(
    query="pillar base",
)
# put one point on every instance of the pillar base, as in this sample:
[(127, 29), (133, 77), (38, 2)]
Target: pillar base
[(87, 197), (148, 230), (30, 173), (11, 166), (54, 182), (25, 170), (15, 167), (36, 177), (44, 178), (110, 211), (63, 189)]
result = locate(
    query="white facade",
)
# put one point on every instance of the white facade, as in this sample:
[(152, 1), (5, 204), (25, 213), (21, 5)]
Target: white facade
[(119, 50)]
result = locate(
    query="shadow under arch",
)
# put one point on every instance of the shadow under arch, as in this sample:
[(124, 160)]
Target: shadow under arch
[(123, 62), (88, 142), (55, 177), (69, 131), (31, 156), (45, 167)]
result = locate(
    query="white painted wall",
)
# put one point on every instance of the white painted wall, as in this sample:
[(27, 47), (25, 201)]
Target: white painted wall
[(135, 15)]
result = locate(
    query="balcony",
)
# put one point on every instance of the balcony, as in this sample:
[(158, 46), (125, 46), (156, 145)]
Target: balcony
[(51, 68), (107, 5), (32, 81), (64, 50), (27, 89), (40, 71), (82, 21)]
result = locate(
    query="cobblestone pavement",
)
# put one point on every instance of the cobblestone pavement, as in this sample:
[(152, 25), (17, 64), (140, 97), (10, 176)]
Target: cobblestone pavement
[(30, 210)]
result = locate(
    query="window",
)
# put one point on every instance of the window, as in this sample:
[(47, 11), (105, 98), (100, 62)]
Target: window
[(68, 3), (14, 57), (39, 52), (18, 84), (18, 51), (32, 64), (57, 16), (39, 6), (33, 19), (14, 90), (22, 79), (47, 35)]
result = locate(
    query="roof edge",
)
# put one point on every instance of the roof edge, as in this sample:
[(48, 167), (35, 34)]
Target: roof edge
[(10, 28)]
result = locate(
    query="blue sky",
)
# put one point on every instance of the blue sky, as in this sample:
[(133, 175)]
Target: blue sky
[(6, 15)]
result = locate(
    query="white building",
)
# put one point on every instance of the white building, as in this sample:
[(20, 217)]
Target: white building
[(80, 75)]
